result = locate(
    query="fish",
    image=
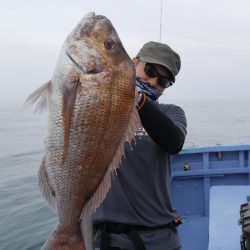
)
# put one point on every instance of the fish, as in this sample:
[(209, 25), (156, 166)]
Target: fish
[(92, 113)]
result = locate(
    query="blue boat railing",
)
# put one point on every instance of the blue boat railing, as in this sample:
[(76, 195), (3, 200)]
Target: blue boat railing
[(195, 170)]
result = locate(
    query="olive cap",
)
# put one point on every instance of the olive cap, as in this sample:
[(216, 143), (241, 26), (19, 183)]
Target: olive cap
[(160, 53)]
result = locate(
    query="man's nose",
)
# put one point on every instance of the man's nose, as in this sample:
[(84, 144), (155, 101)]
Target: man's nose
[(152, 81)]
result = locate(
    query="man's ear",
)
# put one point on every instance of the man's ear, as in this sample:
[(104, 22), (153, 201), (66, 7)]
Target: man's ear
[(135, 60)]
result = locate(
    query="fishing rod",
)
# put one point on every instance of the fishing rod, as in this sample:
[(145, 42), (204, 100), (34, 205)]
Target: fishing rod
[(160, 22)]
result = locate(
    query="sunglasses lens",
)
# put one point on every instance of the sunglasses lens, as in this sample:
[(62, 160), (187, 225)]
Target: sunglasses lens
[(150, 70), (164, 82)]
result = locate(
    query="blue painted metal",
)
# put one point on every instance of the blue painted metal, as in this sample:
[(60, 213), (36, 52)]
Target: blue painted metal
[(193, 232), (194, 171), (206, 183)]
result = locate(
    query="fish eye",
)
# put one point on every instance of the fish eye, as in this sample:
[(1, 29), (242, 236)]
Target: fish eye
[(109, 44)]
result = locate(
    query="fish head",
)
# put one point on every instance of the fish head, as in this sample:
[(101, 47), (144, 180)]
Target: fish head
[(97, 73), (94, 47)]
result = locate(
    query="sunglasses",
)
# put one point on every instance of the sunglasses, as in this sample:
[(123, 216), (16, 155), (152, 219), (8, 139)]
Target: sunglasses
[(151, 71)]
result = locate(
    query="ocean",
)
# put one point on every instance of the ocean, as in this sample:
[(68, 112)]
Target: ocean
[(25, 218)]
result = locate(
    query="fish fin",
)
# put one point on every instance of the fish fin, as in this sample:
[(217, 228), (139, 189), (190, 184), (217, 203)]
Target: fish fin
[(40, 97), (134, 125), (45, 186), (87, 227), (69, 98)]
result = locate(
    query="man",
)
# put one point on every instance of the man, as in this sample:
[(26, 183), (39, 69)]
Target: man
[(137, 213)]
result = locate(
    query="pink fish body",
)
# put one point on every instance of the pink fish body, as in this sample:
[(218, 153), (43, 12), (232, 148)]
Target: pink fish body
[(91, 115)]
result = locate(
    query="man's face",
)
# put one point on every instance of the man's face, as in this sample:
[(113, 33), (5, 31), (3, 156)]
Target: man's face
[(152, 81)]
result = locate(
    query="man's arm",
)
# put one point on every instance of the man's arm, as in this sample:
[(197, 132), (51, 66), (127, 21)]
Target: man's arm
[(161, 128)]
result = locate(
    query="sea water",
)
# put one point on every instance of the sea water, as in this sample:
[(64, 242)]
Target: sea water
[(25, 218)]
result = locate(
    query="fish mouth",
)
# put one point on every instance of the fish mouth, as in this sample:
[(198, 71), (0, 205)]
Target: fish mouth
[(92, 71), (74, 62)]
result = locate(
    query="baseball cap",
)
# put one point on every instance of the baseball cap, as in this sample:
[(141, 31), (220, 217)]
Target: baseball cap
[(160, 53)]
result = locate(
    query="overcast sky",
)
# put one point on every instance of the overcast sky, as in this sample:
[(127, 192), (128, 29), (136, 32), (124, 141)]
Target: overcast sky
[(212, 38)]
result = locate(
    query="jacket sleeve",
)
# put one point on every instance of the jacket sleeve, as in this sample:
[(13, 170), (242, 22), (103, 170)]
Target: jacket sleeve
[(163, 131)]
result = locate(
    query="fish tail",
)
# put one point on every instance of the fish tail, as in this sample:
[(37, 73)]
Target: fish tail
[(61, 241)]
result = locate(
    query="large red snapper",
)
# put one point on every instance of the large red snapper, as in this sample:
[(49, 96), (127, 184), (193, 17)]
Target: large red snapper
[(91, 114)]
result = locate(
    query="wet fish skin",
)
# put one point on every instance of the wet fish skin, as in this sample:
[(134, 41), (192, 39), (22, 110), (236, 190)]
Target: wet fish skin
[(91, 114)]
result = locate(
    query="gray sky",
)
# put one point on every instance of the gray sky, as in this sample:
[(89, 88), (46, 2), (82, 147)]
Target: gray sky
[(212, 38)]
